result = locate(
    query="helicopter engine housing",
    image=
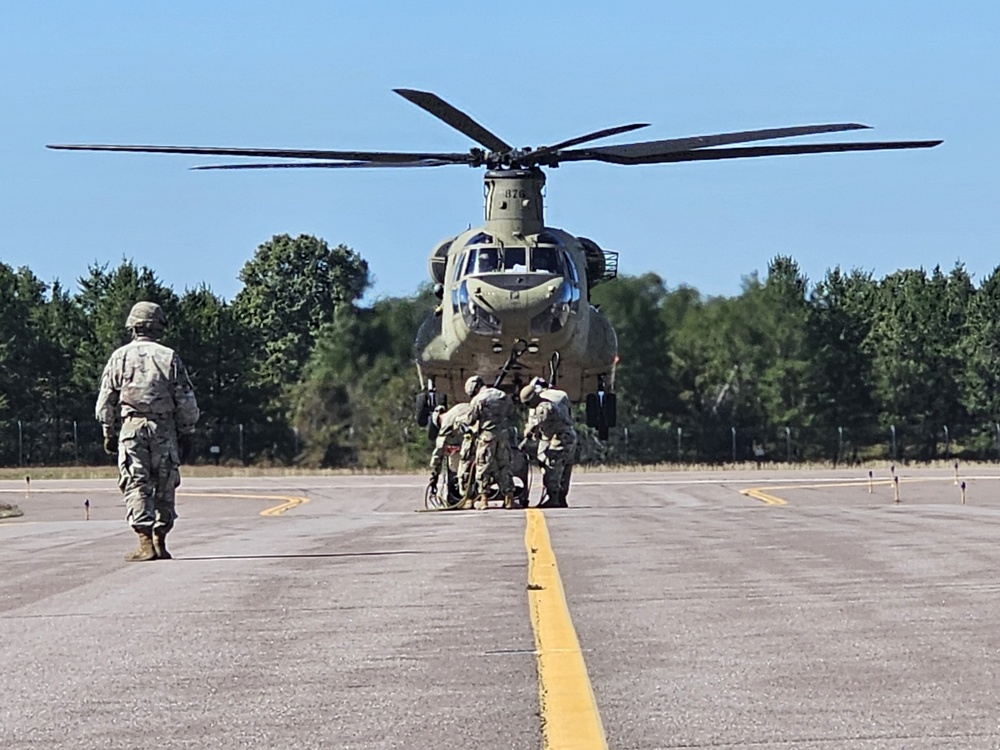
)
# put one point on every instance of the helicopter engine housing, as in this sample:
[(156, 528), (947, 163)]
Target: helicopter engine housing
[(437, 263)]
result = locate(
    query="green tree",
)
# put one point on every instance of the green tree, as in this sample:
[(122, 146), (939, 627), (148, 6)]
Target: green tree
[(840, 371), (354, 403), (784, 356), (64, 408), (217, 350), (634, 305), (291, 289), (322, 408), (914, 346), (979, 349), (22, 296)]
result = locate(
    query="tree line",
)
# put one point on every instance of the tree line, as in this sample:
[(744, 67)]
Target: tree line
[(295, 371), (849, 368)]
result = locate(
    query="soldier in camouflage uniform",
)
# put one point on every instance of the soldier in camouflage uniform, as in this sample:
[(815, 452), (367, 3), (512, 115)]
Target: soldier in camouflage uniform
[(146, 386), (452, 427), (490, 411), (550, 421)]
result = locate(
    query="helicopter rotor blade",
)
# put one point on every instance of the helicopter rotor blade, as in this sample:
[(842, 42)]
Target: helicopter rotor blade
[(330, 165), (672, 145), (596, 135), (464, 124), (281, 153), (712, 154)]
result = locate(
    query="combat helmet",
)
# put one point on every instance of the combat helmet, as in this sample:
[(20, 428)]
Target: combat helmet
[(146, 318), (473, 384)]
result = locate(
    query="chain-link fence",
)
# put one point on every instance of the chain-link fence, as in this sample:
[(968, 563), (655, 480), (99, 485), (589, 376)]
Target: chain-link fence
[(645, 443), (68, 443), (73, 443)]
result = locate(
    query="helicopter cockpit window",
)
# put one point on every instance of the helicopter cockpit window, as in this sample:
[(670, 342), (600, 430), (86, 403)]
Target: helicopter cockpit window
[(571, 267), (545, 259), (515, 259), (482, 260), (480, 239)]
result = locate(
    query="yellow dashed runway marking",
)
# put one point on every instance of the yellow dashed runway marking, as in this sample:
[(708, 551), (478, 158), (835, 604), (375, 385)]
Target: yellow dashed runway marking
[(764, 497), (569, 714), (763, 493), (287, 501)]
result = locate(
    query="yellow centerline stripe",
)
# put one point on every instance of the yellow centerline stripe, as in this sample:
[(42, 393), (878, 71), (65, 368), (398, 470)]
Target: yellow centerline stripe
[(569, 714)]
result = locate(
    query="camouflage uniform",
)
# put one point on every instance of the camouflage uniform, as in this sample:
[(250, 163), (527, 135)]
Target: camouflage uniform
[(146, 384), (551, 422), (490, 412), (452, 428)]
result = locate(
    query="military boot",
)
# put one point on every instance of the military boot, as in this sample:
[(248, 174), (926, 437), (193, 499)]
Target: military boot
[(145, 550), (160, 545)]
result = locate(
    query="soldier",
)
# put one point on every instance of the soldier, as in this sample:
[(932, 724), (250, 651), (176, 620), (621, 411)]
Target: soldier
[(551, 423), (452, 427), (490, 412), (145, 383)]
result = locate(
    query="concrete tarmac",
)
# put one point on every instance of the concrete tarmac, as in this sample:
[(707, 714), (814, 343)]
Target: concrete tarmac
[(766, 609)]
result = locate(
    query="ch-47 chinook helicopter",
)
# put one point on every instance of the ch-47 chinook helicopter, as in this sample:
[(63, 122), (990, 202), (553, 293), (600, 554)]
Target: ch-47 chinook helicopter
[(514, 293)]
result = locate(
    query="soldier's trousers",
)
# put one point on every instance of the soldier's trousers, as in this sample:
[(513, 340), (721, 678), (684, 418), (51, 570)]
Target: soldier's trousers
[(148, 472), (556, 458), (493, 462)]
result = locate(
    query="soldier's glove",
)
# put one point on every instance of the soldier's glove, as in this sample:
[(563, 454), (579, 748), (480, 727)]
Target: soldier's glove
[(433, 480), (185, 444), (521, 446), (111, 444)]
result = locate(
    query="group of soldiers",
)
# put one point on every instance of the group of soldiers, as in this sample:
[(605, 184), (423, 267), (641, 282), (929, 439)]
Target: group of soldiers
[(481, 429)]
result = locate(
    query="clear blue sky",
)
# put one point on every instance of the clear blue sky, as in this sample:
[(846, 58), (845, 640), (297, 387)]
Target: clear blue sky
[(320, 74)]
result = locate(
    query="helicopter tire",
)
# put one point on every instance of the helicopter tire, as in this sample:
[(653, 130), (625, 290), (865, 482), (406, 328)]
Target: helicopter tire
[(432, 500), (602, 412), (609, 409)]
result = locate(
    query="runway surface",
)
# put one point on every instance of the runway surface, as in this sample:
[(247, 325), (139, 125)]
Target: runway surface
[(763, 609)]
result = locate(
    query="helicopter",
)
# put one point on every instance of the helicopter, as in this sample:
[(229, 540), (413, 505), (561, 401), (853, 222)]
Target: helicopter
[(514, 294)]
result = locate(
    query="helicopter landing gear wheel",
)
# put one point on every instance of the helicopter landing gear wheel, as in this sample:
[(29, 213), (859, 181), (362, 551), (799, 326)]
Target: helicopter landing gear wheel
[(425, 403)]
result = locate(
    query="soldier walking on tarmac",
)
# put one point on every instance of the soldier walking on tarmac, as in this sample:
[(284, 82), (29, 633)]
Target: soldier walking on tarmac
[(146, 387), (551, 423)]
